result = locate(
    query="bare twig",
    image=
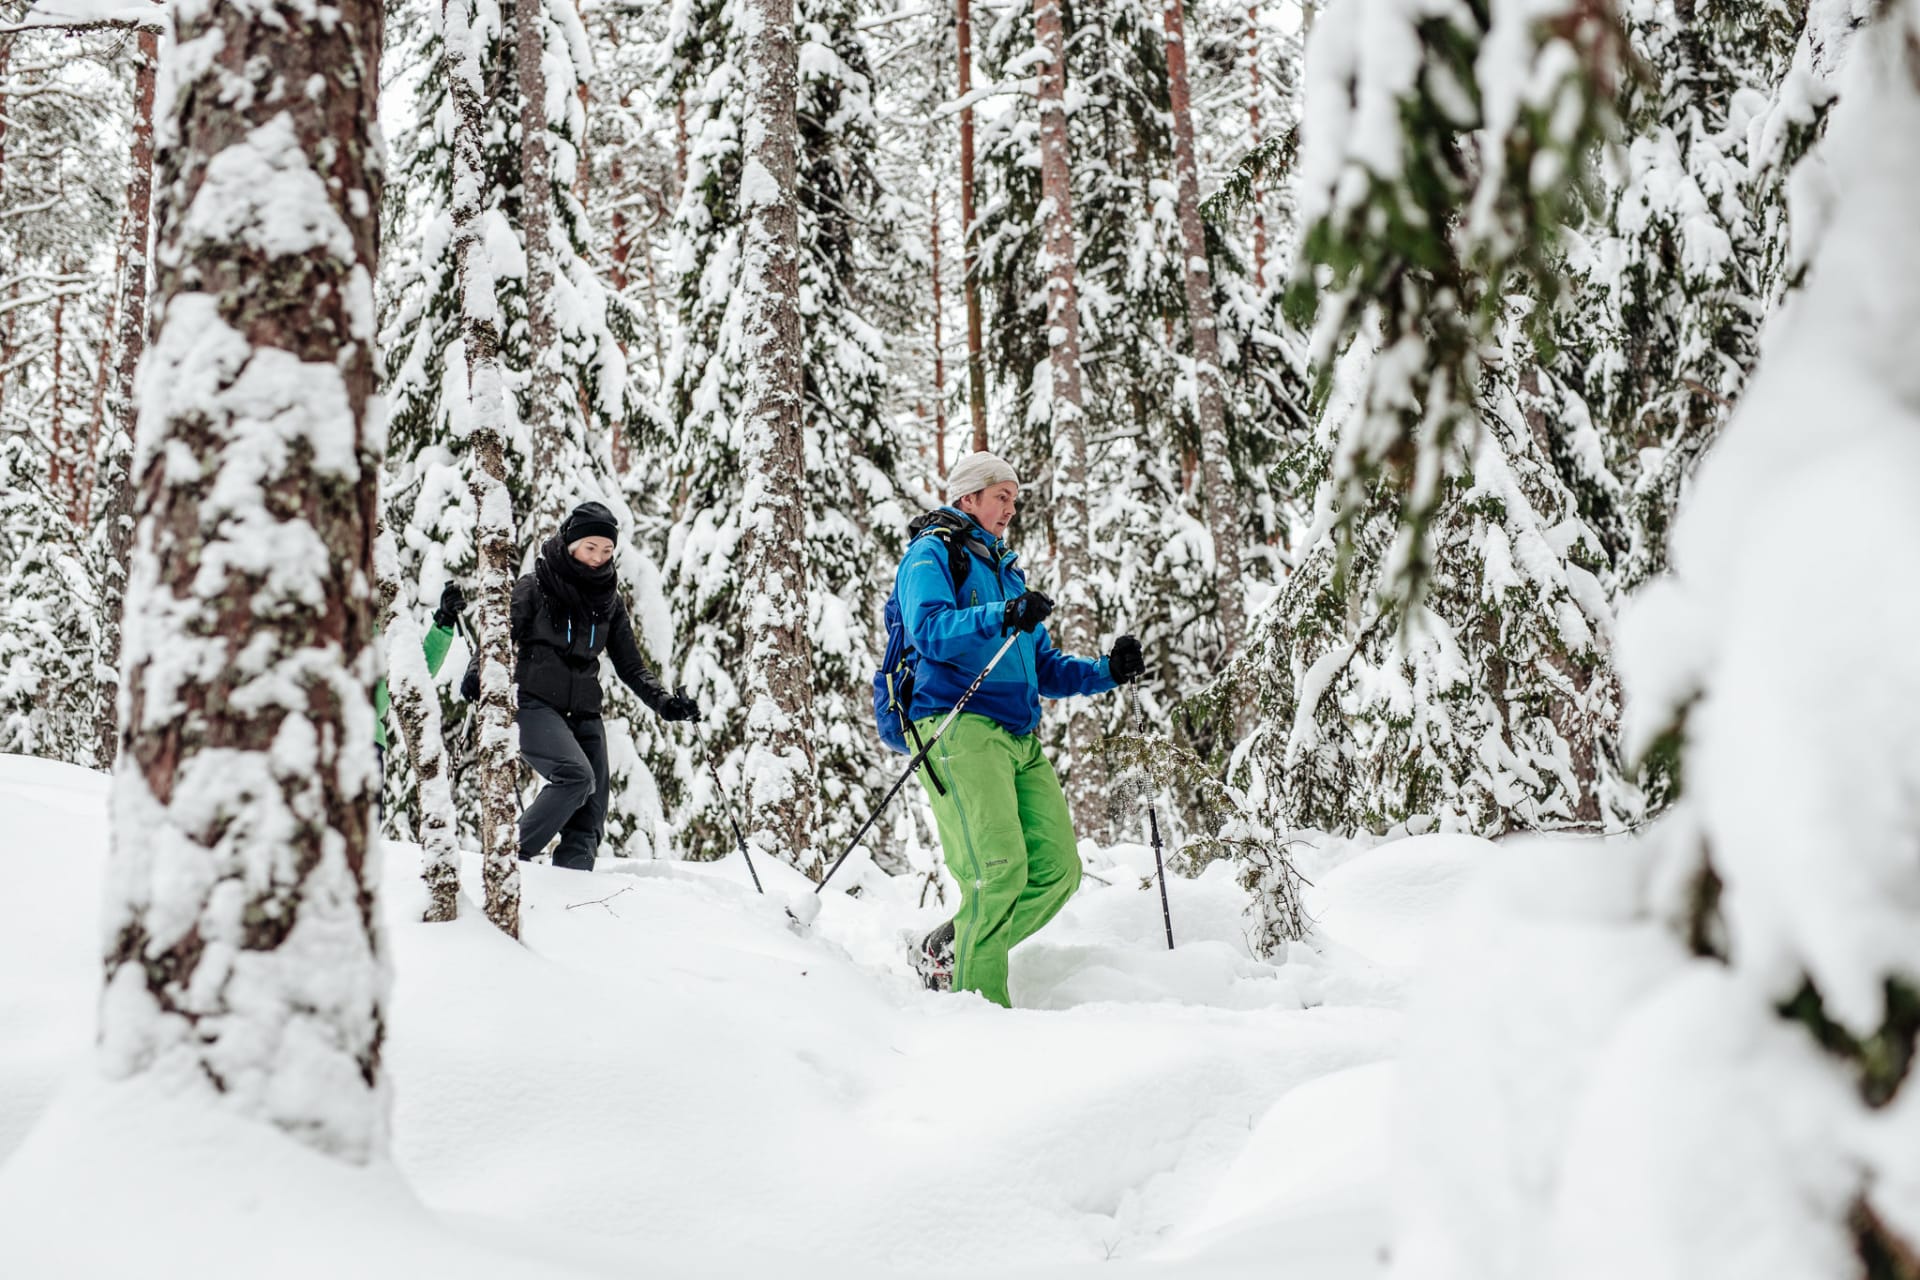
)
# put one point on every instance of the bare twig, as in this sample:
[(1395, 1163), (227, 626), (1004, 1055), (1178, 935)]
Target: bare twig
[(601, 902)]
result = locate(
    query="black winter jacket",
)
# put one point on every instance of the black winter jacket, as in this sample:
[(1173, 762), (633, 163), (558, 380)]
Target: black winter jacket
[(560, 663)]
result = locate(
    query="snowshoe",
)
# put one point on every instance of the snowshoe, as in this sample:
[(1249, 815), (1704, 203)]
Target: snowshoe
[(932, 957)]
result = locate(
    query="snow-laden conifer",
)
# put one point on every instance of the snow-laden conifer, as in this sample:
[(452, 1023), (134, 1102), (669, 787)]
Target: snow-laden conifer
[(585, 395), (1721, 1013), (846, 475)]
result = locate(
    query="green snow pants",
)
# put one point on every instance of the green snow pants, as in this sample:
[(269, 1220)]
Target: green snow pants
[(1007, 838)]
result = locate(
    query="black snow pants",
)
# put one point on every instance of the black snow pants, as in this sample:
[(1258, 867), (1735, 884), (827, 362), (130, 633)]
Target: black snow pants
[(570, 752)]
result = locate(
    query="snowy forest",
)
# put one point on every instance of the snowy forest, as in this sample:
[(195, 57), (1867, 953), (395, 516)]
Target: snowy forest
[(1487, 416)]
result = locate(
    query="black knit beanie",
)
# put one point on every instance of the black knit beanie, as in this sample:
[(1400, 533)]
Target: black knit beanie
[(589, 520)]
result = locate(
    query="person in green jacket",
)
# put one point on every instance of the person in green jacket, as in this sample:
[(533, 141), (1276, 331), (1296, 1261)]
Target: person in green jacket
[(438, 640)]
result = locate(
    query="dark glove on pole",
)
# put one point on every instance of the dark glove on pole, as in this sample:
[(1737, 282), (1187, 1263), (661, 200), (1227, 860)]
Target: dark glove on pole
[(452, 601), (1025, 612), (678, 706), (1126, 663)]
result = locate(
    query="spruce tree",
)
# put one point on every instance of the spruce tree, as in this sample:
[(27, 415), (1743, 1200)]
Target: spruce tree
[(846, 476), (581, 409), (1440, 655)]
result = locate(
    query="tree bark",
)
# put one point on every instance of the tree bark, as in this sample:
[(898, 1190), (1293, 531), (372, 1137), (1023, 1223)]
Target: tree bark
[(939, 353), (81, 512), (781, 798), (116, 459), (59, 456), (1073, 626), (1253, 131), (418, 707), (244, 955), (969, 279), (1216, 473), (547, 384), (480, 426)]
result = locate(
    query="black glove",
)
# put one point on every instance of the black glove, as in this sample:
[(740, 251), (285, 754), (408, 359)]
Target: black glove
[(452, 601), (470, 683), (1125, 664), (1026, 612), (678, 706)]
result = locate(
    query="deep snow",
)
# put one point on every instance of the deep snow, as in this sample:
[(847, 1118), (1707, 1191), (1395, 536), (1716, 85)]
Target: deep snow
[(667, 1076)]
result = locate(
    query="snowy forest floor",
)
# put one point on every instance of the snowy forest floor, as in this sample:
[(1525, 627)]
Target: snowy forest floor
[(666, 1079)]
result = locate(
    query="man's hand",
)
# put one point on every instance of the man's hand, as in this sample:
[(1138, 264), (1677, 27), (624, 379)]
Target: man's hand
[(452, 601), (1026, 612), (1125, 664), (678, 706)]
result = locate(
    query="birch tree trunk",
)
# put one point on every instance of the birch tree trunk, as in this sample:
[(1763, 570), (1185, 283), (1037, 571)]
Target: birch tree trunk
[(244, 954), (536, 219), (781, 797), (1073, 629), (1216, 473), (480, 425), (116, 461), (969, 281)]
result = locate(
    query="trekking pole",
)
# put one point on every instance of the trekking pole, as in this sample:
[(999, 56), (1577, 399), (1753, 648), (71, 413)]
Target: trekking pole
[(918, 759), (726, 802), (1153, 824)]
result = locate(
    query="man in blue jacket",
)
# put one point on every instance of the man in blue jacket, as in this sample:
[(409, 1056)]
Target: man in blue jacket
[(1004, 825)]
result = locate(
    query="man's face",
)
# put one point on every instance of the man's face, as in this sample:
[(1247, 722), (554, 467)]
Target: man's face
[(593, 552), (993, 506)]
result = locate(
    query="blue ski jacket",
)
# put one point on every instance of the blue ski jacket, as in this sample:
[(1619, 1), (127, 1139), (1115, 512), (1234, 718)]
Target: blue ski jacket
[(954, 638)]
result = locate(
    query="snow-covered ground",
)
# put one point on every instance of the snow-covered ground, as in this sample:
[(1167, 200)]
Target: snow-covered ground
[(666, 1077)]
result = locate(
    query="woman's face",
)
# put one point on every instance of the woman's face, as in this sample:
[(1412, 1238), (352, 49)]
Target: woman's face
[(592, 552)]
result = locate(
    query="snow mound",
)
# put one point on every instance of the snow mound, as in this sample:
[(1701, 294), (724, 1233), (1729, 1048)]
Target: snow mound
[(1389, 903)]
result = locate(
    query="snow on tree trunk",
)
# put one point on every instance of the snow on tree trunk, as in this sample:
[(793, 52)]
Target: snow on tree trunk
[(1216, 476), (1253, 141), (478, 410), (939, 351), (1073, 625), (418, 706), (970, 281), (244, 956), (543, 404), (779, 662), (116, 458)]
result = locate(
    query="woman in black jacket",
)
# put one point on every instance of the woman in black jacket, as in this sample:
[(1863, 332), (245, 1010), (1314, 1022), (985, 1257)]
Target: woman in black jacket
[(565, 613)]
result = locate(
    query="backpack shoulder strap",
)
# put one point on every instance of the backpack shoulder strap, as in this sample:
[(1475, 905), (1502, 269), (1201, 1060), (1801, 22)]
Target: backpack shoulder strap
[(957, 532)]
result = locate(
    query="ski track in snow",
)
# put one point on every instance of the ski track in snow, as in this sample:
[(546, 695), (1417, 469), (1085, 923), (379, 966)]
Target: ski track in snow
[(676, 1077)]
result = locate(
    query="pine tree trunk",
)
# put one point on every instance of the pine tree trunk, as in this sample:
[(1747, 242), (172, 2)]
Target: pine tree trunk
[(244, 949), (969, 280), (1253, 131), (582, 163), (116, 460), (1216, 473), (547, 386), (418, 708), (81, 512), (1072, 627), (781, 798), (939, 351), (481, 427), (59, 456)]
